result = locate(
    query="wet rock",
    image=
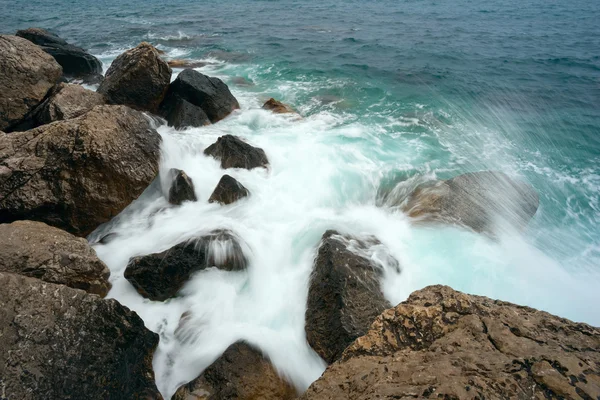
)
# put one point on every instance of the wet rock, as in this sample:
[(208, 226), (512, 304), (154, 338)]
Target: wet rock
[(74, 60), (182, 187), (40, 251), (28, 73), (62, 343), (181, 63), (344, 297), (180, 113), (481, 201), (445, 344), (277, 107), (241, 81), (242, 372), (138, 78), (79, 173), (160, 276), (228, 190), (235, 153)]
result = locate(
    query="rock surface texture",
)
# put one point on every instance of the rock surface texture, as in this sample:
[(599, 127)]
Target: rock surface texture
[(228, 191), (441, 343), (235, 153), (182, 187), (62, 343)]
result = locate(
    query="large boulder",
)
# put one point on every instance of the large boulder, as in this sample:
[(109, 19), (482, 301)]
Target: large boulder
[(228, 191), (75, 61), (79, 173), (160, 276), (182, 187), (243, 373), (62, 343), (40, 251), (482, 201), (344, 295), (235, 153), (138, 78), (180, 113), (441, 343), (27, 74)]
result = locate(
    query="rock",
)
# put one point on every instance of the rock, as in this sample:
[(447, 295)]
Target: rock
[(40, 251), (228, 190), (182, 188), (277, 107), (235, 153), (160, 276), (180, 113), (79, 173), (27, 75), (441, 343), (344, 297), (241, 81), (138, 78), (180, 63), (62, 343), (480, 201), (74, 60)]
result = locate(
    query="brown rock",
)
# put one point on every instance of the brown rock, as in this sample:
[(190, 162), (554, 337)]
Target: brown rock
[(182, 187), (445, 344), (277, 107), (228, 191), (235, 153), (181, 63)]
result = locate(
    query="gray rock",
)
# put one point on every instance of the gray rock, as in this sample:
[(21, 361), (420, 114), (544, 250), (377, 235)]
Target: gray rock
[(228, 191), (180, 113)]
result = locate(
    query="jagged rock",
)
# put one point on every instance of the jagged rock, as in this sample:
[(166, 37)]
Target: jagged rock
[(40, 251), (278, 107), (479, 200), (182, 187), (27, 73), (235, 153), (344, 296), (160, 276), (441, 343), (228, 190), (74, 60), (79, 173), (62, 343), (180, 113), (242, 372), (138, 78)]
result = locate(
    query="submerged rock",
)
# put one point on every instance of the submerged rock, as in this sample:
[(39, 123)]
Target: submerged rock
[(278, 107), (181, 63), (445, 344), (182, 187), (242, 372), (62, 343), (40, 251), (138, 78), (235, 153), (228, 191), (344, 297), (27, 74), (79, 173)]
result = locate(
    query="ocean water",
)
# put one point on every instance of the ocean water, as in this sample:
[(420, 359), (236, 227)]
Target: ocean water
[(392, 94)]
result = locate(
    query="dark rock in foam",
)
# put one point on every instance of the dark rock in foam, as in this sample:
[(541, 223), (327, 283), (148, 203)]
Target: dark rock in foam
[(235, 153)]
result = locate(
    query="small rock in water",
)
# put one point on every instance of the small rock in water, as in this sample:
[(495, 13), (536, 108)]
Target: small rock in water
[(241, 81), (228, 190), (278, 107), (235, 153), (182, 187), (179, 63)]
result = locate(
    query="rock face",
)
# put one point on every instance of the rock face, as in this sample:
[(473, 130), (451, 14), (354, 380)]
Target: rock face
[(479, 200), (27, 75), (79, 173), (75, 61), (182, 188), (344, 297), (180, 113), (228, 190), (40, 251), (160, 276), (235, 153), (277, 107), (243, 373), (62, 343), (138, 78), (441, 343)]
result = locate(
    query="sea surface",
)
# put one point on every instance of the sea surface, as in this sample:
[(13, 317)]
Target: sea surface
[(392, 94)]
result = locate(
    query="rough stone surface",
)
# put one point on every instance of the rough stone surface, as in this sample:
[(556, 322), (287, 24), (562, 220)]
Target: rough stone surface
[(79, 173), (235, 153), (138, 78), (62, 343), (27, 73), (344, 297), (182, 187), (228, 191), (441, 343), (40, 251), (242, 372), (277, 107), (180, 113)]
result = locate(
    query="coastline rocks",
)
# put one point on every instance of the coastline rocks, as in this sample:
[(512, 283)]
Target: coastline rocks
[(481, 201), (79, 173), (235, 153), (180, 113), (441, 343), (37, 250), (138, 78), (277, 107), (344, 297), (228, 191), (62, 343), (182, 187), (242, 372), (27, 75)]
